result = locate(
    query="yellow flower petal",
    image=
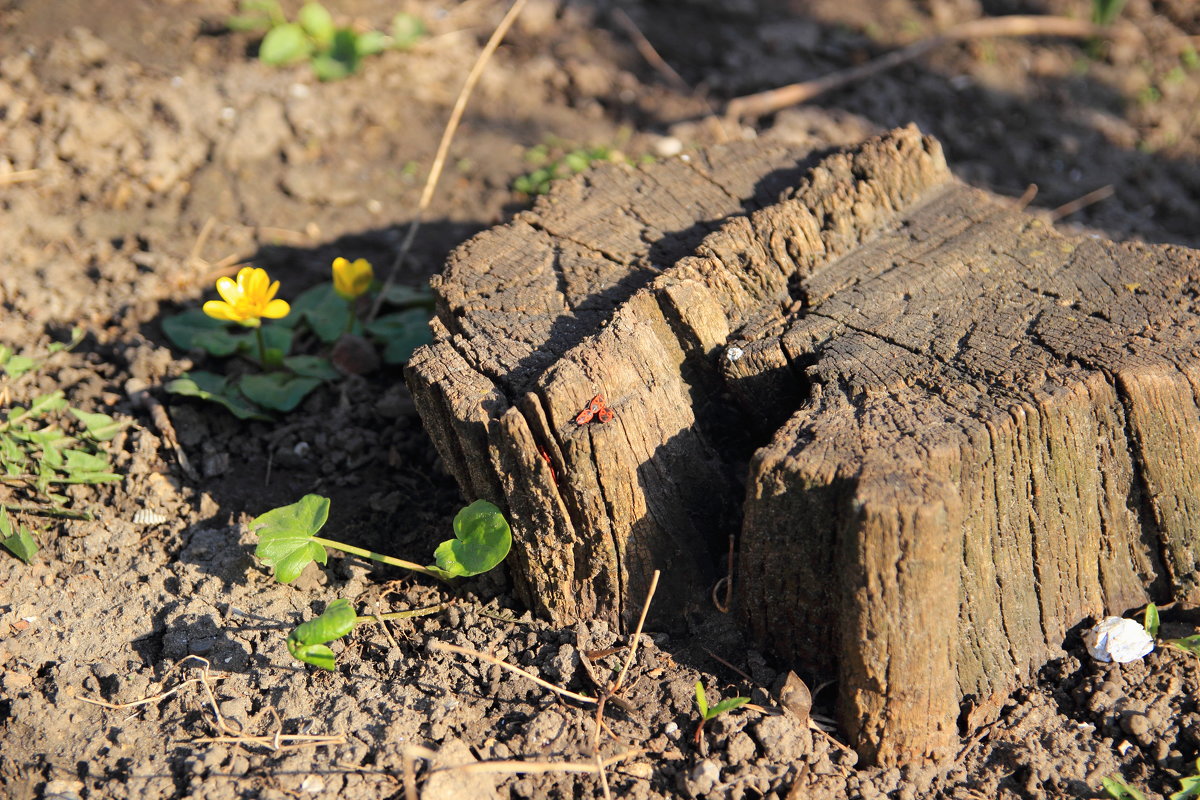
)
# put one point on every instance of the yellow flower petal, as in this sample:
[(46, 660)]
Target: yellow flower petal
[(228, 290), (270, 293), (218, 309), (276, 309)]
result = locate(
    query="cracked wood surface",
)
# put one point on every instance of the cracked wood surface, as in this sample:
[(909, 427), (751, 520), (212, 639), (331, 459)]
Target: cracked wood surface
[(974, 432)]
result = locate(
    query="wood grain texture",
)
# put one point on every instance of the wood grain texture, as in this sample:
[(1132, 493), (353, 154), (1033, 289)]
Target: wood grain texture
[(969, 432)]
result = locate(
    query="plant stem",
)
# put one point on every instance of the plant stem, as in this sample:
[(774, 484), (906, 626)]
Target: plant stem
[(416, 612), (395, 562), (48, 511), (262, 346), (351, 315)]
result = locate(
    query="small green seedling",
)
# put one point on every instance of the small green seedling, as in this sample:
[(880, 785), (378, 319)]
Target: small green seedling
[(308, 642), (1118, 789), (44, 446), (288, 541), (707, 714), (1150, 620), (1105, 12), (334, 52), (552, 163), (1188, 644)]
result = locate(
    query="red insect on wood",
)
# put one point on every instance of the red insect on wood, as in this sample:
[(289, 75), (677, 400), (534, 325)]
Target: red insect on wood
[(597, 410)]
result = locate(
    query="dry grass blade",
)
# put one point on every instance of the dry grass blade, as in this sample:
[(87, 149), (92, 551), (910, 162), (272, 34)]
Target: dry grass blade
[(772, 100), (439, 160), (1080, 203), (580, 698)]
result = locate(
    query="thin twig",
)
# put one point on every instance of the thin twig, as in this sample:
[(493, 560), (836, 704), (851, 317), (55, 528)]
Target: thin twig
[(647, 51), (439, 160), (139, 395), (637, 634), (20, 176), (580, 698), (513, 765), (1080, 203), (772, 100)]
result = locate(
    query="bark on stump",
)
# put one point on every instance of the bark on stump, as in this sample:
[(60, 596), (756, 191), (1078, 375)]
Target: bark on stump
[(984, 431)]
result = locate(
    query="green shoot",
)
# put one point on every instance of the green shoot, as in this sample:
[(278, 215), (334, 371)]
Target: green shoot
[(308, 641), (1118, 789), (1104, 12), (1189, 786), (333, 52), (44, 446), (1150, 620), (549, 169), (1188, 644), (288, 541), (707, 714)]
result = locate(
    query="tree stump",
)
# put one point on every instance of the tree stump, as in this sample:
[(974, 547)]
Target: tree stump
[(976, 432)]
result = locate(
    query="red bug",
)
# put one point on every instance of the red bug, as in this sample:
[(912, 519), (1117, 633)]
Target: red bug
[(597, 410), (550, 464)]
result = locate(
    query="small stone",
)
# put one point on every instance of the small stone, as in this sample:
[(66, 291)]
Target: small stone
[(703, 778), (1135, 724), (354, 355)]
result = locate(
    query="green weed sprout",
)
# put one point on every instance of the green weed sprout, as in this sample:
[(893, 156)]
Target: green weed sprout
[(551, 163), (707, 714), (287, 542), (233, 326), (1188, 644), (43, 449), (334, 52), (1118, 789)]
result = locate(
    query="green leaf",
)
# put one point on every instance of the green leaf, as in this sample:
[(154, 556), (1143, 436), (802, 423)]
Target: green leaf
[(482, 540), (407, 30), (79, 461), (317, 22), (285, 536), (215, 388), (101, 427), (21, 544), (1118, 789), (407, 296), (247, 22), (307, 641), (193, 329), (43, 404), (1150, 621), (278, 391), (701, 700), (1189, 644), (728, 704), (16, 366), (1104, 12), (1189, 786), (312, 367), (328, 68), (371, 42), (323, 310), (285, 44), (402, 333)]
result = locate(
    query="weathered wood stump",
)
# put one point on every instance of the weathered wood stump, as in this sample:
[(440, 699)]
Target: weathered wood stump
[(976, 431)]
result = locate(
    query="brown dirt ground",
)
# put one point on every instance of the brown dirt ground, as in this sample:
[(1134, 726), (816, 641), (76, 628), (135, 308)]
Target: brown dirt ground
[(134, 124)]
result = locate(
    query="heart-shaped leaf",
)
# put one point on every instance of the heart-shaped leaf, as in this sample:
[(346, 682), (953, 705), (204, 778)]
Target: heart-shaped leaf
[(482, 540), (317, 22), (402, 333), (194, 329), (307, 641), (215, 389), (284, 44), (312, 367), (285, 536), (279, 391), (322, 309)]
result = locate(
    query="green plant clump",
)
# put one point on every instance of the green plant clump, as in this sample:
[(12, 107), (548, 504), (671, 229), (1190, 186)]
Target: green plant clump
[(288, 542), (335, 52), (551, 163), (45, 445)]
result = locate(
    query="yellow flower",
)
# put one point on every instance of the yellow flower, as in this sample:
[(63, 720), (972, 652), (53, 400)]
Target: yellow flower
[(247, 300), (352, 278)]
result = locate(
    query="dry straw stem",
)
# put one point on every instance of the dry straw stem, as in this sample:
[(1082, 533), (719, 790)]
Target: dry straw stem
[(439, 160), (772, 100), (276, 742), (1080, 203), (20, 176), (464, 651)]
